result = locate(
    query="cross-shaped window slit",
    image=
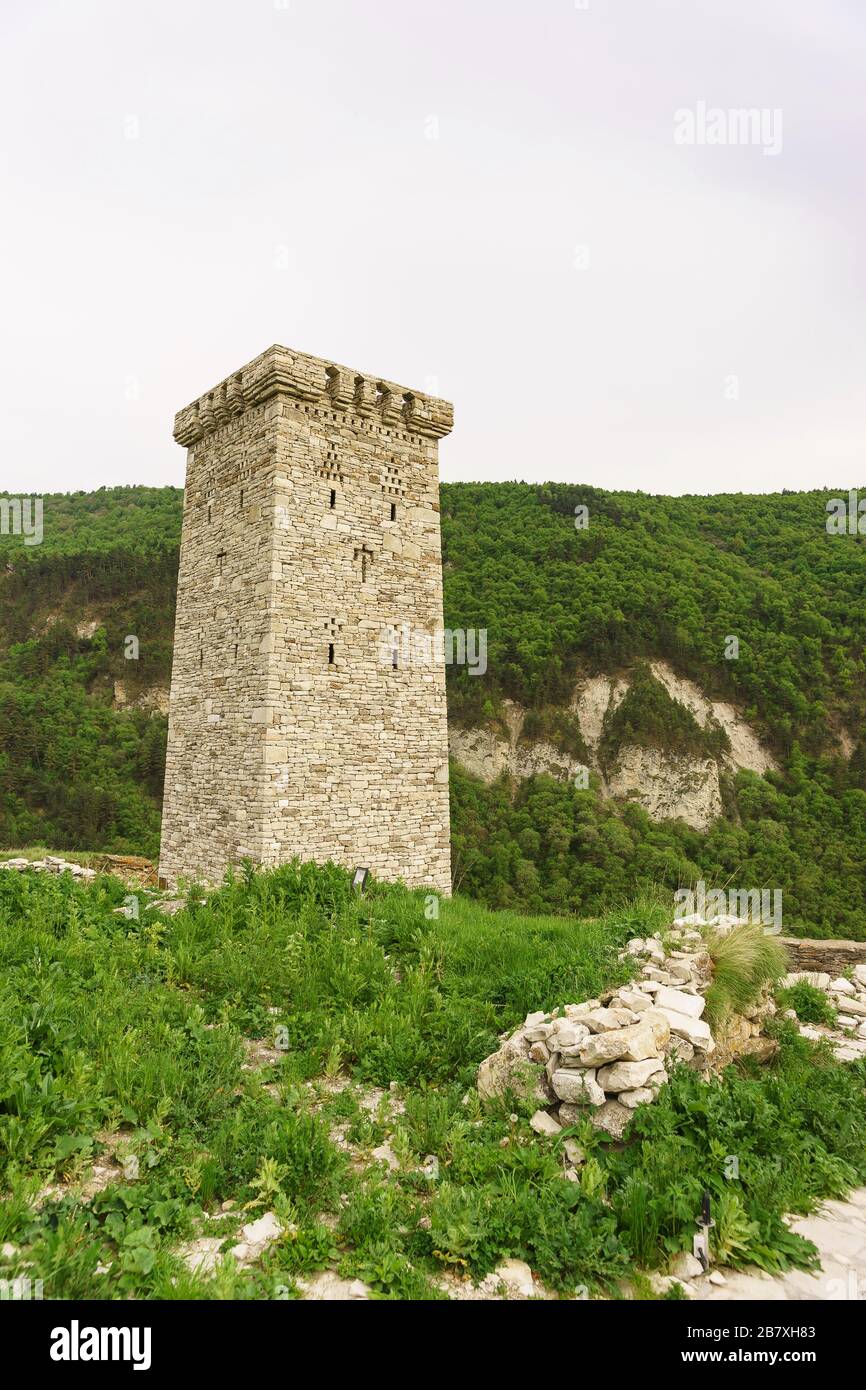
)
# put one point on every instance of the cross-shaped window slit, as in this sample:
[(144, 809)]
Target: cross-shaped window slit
[(333, 630), (365, 555)]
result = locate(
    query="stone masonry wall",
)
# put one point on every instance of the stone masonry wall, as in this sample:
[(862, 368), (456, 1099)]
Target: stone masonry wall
[(817, 954), (311, 525)]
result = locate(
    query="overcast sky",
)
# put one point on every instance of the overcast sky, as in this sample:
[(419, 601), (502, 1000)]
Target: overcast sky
[(480, 198)]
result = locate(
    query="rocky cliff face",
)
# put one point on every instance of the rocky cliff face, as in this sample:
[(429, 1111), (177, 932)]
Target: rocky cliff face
[(668, 785)]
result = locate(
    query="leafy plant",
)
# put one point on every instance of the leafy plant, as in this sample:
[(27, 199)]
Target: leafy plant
[(809, 1003)]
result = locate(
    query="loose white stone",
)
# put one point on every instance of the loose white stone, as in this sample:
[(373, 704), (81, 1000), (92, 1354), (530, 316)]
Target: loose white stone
[(686, 1266), (628, 1076), (612, 1118), (694, 1030), (516, 1276), (635, 1000), (606, 1020), (577, 1087), (691, 1004), (632, 1044), (643, 1095), (544, 1123)]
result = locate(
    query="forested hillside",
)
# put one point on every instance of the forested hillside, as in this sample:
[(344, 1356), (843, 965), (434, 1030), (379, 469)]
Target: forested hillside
[(81, 749), (77, 771)]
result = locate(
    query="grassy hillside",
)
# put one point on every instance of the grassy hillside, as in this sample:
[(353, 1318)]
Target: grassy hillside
[(254, 1052), (648, 577)]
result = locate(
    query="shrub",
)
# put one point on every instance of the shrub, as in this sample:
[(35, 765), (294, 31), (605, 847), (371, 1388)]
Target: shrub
[(809, 1003)]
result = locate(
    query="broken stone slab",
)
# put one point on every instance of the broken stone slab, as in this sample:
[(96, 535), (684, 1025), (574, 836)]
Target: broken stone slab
[(544, 1123), (852, 1006), (577, 1087), (635, 1000), (686, 1266), (256, 1237), (612, 1118), (517, 1277), (577, 1011), (859, 973), (661, 977), (606, 1020), (509, 1070), (569, 1058), (633, 1044), (807, 1030), (656, 1020), (328, 1287), (628, 1076), (682, 1003), (642, 1095), (680, 970), (539, 1032), (694, 1030), (680, 1049), (201, 1256), (565, 1033), (573, 1152), (841, 986)]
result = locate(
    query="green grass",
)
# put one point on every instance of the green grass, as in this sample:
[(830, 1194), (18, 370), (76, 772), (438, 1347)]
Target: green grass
[(744, 960), (129, 1036)]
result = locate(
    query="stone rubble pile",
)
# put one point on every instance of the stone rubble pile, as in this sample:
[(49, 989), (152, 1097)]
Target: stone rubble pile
[(604, 1057), (51, 864), (848, 997)]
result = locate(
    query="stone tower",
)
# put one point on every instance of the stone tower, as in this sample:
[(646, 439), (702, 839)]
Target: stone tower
[(310, 529)]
